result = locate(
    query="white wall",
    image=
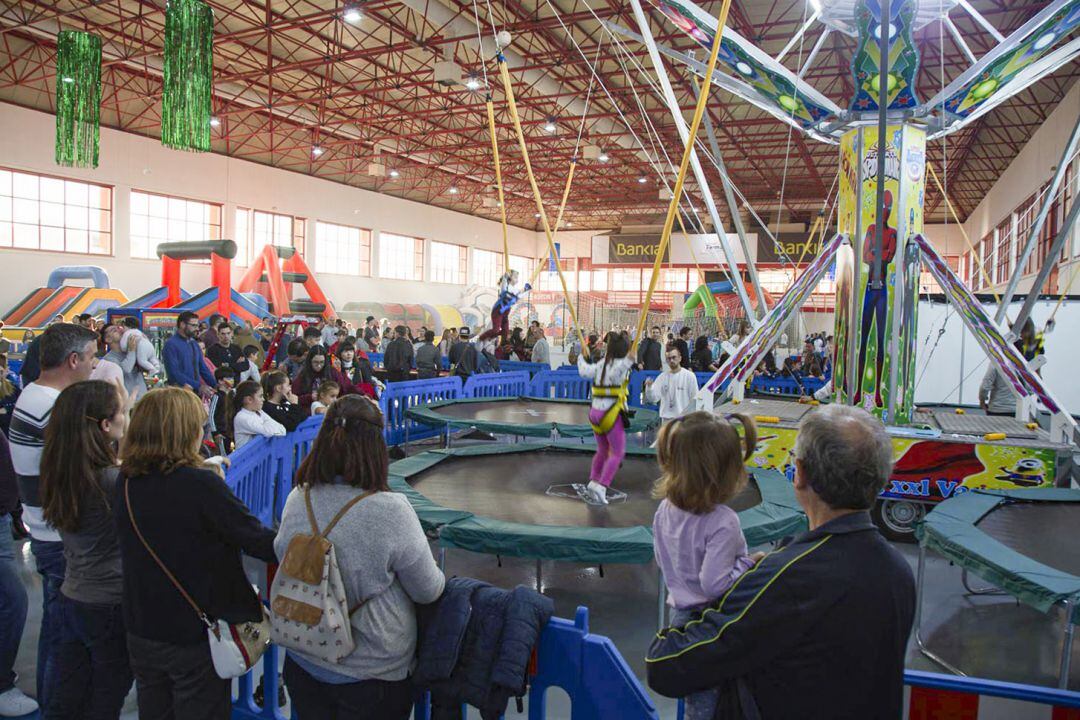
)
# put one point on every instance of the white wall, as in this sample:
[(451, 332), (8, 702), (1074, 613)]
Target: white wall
[(130, 161)]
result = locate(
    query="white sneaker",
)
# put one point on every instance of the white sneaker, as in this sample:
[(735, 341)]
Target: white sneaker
[(14, 703), (597, 492)]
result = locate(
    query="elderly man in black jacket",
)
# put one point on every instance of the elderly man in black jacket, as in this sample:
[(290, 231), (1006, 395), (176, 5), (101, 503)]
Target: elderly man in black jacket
[(819, 628), (398, 358)]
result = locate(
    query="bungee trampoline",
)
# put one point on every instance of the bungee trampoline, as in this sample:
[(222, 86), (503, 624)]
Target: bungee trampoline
[(495, 500), (1021, 541), (522, 416)]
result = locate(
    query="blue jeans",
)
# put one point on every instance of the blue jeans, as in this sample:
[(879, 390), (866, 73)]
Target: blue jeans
[(699, 705), (50, 566), (12, 606), (90, 675)]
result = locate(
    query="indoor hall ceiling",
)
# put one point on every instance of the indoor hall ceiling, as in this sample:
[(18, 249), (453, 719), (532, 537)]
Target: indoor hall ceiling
[(294, 74)]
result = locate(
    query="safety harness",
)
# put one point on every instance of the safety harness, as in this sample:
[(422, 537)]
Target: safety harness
[(620, 393)]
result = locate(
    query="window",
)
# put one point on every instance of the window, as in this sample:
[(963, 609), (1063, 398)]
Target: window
[(342, 250), (676, 280), (401, 257), (159, 218), (486, 268), (39, 212), (626, 280), (1004, 253), (449, 263), (524, 266), (256, 229)]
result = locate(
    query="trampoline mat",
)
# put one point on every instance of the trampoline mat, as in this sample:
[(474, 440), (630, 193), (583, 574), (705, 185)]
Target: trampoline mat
[(1042, 531), (519, 412), (512, 488)]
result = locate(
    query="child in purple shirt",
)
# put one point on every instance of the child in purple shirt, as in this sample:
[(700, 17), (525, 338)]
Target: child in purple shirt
[(697, 539)]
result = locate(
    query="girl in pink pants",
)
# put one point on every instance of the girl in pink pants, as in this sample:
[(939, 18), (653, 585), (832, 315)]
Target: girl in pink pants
[(609, 391)]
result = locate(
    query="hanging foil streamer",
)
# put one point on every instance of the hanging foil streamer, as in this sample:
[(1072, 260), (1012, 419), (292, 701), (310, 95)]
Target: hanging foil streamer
[(78, 98), (189, 70)]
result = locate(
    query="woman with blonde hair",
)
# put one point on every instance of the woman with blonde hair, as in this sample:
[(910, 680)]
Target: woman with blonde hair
[(171, 502)]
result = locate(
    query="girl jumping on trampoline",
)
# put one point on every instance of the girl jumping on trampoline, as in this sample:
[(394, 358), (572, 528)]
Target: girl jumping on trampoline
[(500, 312), (697, 539), (608, 413)]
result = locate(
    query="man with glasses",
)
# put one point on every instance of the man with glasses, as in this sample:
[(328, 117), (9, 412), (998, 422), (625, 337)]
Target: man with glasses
[(675, 389), (183, 358)]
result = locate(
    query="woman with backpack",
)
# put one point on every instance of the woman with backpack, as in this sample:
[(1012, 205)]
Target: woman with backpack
[(343, 505)]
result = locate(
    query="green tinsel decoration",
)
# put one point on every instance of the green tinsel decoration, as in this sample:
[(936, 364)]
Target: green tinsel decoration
[(78, 98), (189, 73)]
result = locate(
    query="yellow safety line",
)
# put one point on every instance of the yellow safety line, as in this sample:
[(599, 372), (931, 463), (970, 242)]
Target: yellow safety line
[(558, 219), (499, 184), (504, 72), (673, 206), (974, 254)]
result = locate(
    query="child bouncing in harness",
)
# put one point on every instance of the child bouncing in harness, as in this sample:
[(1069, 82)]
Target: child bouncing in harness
[(608, 415), (509, 292)]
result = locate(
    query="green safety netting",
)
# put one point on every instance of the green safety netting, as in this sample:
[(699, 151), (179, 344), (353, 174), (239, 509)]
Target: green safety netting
[(953, 530), (776, 516), (433, 415)]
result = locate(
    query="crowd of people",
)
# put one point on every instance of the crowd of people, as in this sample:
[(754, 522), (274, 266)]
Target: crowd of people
[(138, 541)]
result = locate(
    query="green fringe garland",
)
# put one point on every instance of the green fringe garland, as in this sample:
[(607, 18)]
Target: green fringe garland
[(189, 73), (78, 98)]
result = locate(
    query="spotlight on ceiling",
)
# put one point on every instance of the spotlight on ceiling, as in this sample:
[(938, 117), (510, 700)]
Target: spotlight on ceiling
[(214, 122), (316, 150), (550, 125), (536, 215), (642, 180), (394, 173), (472, 83), (603, 156), (453, 191), (353, 15)]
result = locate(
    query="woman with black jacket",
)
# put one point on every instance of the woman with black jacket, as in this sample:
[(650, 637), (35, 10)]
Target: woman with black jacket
[(198, 529), (317, 370), (280, 403), (701, 358), (355, 365)]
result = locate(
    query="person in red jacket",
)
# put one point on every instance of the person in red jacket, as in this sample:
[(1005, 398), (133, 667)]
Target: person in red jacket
[(318, 369), (876, 299)]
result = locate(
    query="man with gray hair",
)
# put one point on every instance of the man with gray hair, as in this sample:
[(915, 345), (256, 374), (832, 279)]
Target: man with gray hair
[(819, 628)]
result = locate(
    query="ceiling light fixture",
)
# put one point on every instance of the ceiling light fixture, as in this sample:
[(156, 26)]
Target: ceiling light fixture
[(316, 150), (353, 15), (394, 173), (550, 126), (641, 180), (603, 156), (453, 190), (68, 79), (472, 83), (214, 122)]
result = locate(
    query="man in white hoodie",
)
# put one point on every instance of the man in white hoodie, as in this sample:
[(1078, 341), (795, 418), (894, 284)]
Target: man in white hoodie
[(675, 389)]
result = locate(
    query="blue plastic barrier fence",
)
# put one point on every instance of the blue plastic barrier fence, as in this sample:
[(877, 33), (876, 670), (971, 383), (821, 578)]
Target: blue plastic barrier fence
[(637, 386), (502, 384), (251, 477), (400, 396), (518, 366), (291, 451), (560, 385)]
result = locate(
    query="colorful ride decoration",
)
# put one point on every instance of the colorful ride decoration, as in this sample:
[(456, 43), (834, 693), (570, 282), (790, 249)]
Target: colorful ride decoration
[(718, 299), (876, 308), (57, 297)]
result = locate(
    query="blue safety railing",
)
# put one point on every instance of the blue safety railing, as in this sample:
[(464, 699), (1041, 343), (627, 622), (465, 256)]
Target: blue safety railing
[(400, 396), (493, 385), (517, 366), (560, 385), (637, 386)]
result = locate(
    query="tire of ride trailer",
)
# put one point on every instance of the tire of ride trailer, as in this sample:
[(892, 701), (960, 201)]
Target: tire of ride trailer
[(890, 516)]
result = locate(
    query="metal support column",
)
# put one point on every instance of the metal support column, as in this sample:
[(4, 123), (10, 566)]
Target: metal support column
[(695, 163), (1066, 647), (1037, 226), (733, 205), (1047, 266)]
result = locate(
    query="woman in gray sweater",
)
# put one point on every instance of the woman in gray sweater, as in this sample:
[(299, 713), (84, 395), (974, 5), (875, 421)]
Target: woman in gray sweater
[(386, 566)]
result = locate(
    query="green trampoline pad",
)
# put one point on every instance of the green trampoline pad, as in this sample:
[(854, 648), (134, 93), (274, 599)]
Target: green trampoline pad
[(534, 417)]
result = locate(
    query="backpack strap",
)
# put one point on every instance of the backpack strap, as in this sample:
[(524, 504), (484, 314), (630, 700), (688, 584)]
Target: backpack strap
[(340, 513)]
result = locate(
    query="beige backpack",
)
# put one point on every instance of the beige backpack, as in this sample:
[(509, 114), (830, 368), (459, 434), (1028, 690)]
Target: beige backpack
[(308, 609)]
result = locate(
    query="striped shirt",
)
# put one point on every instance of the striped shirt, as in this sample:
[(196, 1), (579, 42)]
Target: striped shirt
[(27, 436)]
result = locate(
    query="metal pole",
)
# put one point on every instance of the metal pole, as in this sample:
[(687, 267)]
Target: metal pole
[(1066, 648), (539, 584), (878, 281), (963, 341), (1036, 228), (1047, 266), (661, 600), (695, 163), (733, 205)]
